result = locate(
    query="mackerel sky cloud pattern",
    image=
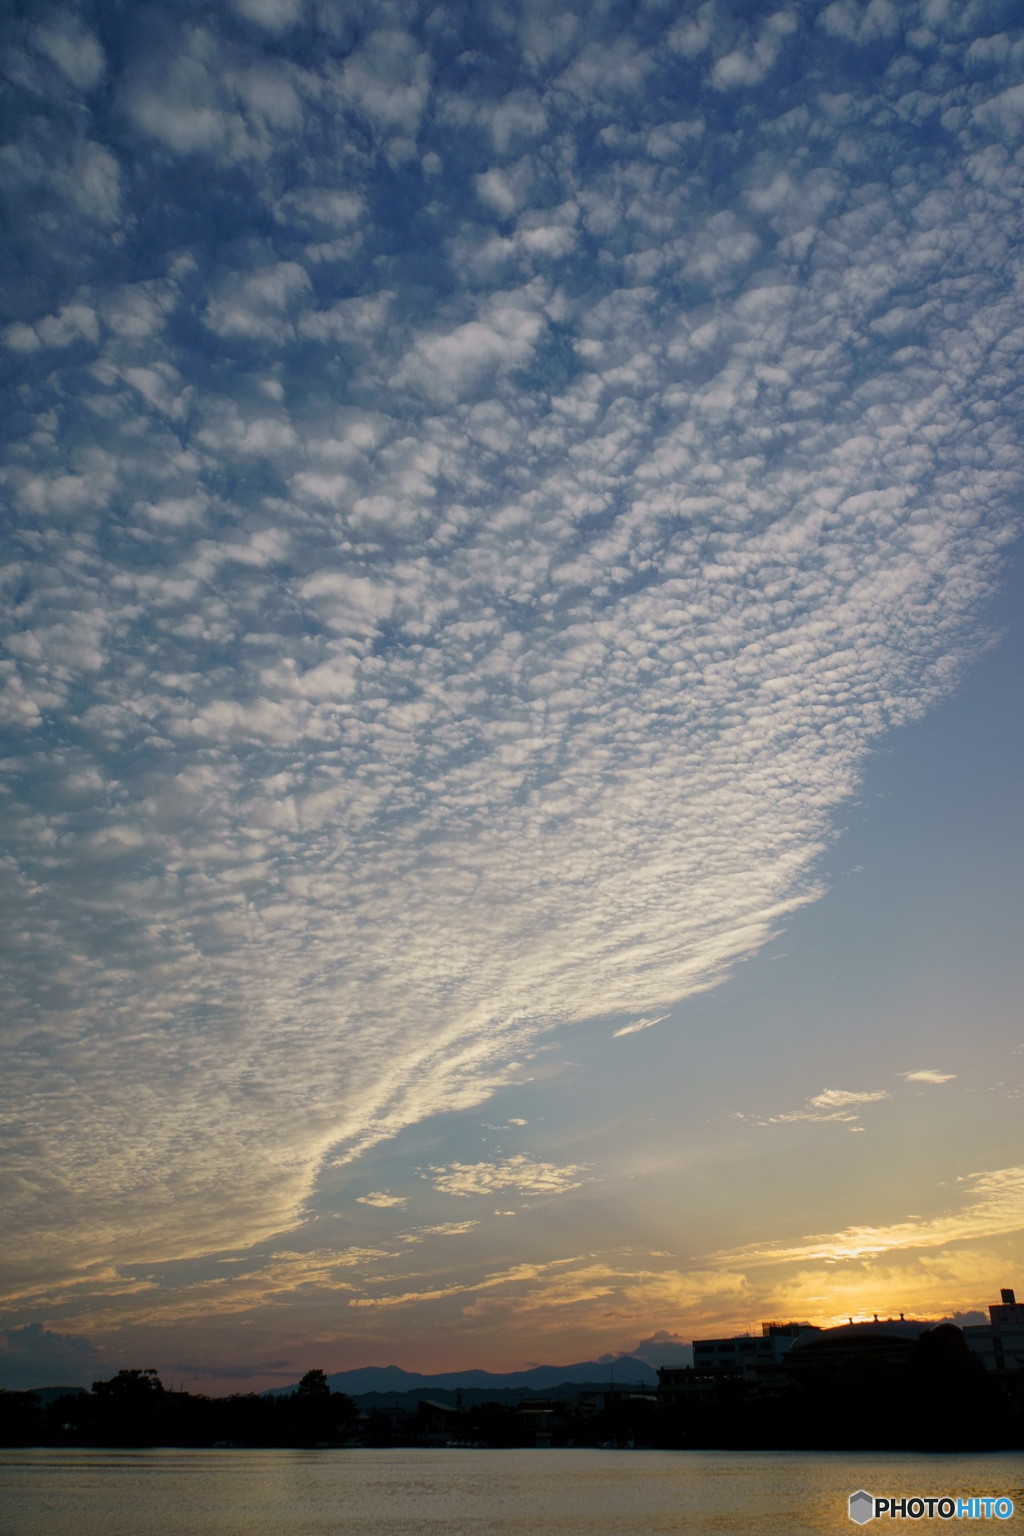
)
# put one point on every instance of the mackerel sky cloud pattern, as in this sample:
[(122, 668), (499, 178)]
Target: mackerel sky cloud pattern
[(480, 480)]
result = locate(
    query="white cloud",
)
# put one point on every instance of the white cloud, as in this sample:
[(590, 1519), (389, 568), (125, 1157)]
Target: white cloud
[(525, 1175), (450, 365), (388, 77), (861, 23), (274, 15), (670, 140), (441, 1229), (637, 1025), (320, 208), (73, 48), (928, 1075), (840, 1104), (602, 73), (1003, 113), (691, 37), (497, 190), (196, 96), (255, 306), (519, 116), (181, 101), (750, 64), (835, 1098)]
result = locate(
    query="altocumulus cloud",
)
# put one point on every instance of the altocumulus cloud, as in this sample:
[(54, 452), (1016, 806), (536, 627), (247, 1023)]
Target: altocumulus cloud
[(525, 1175), (479, 485)]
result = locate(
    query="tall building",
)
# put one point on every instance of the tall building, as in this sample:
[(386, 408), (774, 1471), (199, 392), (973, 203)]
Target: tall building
[(1000, 1341)]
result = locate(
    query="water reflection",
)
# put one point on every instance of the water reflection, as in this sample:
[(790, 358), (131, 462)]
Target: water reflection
[(468, 1493)]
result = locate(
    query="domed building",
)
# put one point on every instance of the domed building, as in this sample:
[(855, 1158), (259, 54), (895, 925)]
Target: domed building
[(883, 1342)]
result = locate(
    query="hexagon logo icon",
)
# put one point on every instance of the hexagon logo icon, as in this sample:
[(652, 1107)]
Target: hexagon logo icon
[(862, 1507)]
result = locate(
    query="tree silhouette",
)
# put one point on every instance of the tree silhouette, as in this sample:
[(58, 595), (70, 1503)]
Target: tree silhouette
[(129, 1408), (313, 1386), (315, 1413), (129, 1386)]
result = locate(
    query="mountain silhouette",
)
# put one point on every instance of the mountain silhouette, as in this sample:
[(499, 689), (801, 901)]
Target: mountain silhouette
[(622, 1372)]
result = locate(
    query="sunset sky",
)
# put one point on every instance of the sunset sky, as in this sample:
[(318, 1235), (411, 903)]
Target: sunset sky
[(512, 736)]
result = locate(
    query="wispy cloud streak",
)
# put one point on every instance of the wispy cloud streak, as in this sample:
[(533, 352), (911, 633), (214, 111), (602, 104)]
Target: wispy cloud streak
[(992, 1206), (842, 1104)]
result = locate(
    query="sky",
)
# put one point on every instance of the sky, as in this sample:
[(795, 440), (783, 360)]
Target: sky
[(511, 669)]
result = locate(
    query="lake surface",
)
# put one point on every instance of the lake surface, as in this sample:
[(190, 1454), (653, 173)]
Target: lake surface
[(475, 1493)]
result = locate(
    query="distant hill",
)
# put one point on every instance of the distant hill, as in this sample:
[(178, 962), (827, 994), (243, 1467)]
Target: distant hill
[(473, 1397), (541, 1378)]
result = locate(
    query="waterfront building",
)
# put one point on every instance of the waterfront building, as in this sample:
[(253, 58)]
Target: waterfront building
[(748, 1360), (999, 1343), (881, 1344)]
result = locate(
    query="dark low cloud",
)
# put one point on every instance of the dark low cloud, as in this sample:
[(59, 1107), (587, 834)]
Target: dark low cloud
[(31, 1357), (663, 1348)]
